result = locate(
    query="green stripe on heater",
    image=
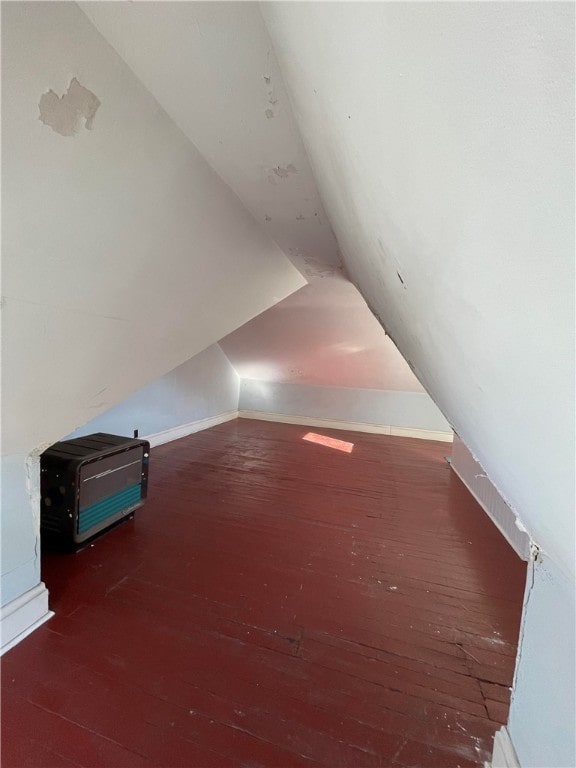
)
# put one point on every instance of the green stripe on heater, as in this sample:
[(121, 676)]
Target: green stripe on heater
[(111, 505)]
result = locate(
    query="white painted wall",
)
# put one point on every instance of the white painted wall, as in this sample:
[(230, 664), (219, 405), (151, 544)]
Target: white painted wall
[(324, 334), (206, 63), (543, 710), (205, 386), (124, 254), (369, 406), (20, 524), (442, 141), (213, 68)]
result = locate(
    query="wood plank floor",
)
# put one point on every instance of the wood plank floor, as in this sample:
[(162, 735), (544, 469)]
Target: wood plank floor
[(277, 603)]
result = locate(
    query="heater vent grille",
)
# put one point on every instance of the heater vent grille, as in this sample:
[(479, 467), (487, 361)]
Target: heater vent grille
[(121, 501)]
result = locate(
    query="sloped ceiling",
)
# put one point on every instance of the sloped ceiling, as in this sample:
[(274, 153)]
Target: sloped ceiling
[(329, 338), (441, 135), (114, 239), (213, 69)]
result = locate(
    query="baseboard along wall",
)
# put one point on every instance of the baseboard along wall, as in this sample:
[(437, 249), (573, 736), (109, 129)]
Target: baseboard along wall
[(504, 754), (472, 474), (352, 426), (23, 615), (175, 433)]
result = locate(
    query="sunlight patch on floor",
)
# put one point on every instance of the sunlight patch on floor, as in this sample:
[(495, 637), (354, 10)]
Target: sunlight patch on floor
[(329, 442)]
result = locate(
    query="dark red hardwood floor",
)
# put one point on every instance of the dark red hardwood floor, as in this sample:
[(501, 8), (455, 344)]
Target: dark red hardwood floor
[(277, 603)]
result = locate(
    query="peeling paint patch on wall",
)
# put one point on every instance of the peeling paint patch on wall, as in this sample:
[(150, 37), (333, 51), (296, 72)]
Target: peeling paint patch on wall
[(283, 173), (67, 113), (272, 100), (315, 268)]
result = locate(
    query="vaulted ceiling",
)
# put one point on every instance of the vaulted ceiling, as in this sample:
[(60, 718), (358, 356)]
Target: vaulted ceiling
[(213, 69), (435, 141), (439, 137), (442, 140)]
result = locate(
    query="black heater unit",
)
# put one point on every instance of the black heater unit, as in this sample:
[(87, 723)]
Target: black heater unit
[(88, 485)]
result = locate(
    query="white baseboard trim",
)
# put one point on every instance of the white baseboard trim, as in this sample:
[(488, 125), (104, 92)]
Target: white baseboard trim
[(472, 474), (504, 755), (23, 615), (351, 426), (422, 434), (175, 433)]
